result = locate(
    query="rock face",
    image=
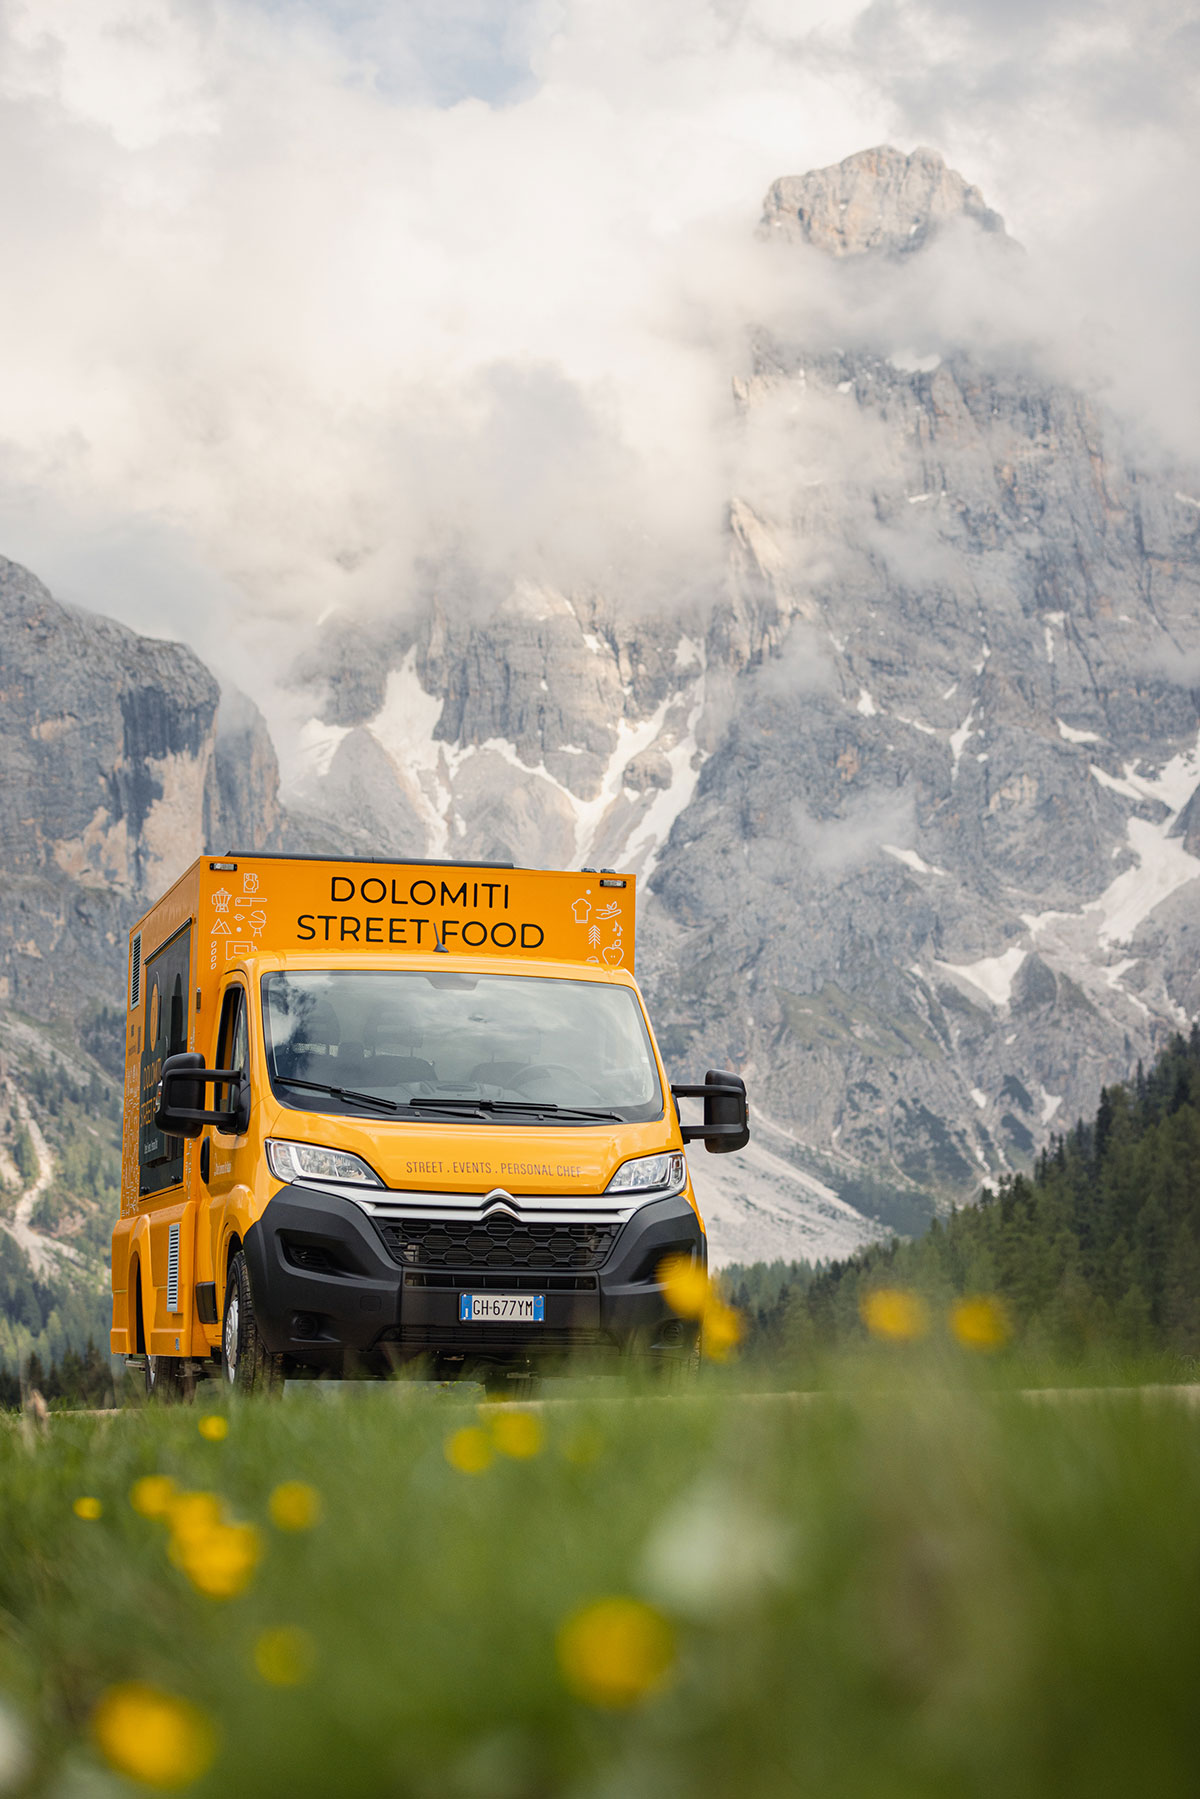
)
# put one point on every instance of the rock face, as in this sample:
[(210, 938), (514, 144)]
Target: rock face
[(879, 200), (914, 794), (241, 809), (117, 766)]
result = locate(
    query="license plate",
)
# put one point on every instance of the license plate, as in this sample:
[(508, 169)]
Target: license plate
[(501, 1308)]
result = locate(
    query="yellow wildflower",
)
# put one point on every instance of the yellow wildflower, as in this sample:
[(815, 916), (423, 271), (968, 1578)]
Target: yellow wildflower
[(294, 1505), (152, 1495), (193, 1516), (87, 1507), (980, 1323), (152, 1736), (615, 1652), (218, 1557), (518, 1434), (686, 1284), (722, 1329), (222, 1563), (690, 1293), (895, 1314), (469, 1450), (285, 1656), (213, 1427)]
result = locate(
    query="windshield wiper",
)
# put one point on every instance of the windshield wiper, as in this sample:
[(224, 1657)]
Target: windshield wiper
[(362, 1099), (522, 1106), (448, 1105), (480, 1107), (533, 1105)]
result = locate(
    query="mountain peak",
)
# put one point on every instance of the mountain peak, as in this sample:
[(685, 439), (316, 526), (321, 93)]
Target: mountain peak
[(879, 201)]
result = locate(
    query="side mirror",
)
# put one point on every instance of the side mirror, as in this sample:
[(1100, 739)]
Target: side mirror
[(180, 1110), (726, 1114)]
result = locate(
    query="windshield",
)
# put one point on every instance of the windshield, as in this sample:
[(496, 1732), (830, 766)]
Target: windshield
[(431, 1044)]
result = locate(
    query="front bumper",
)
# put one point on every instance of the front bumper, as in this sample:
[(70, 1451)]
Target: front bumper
[(328, 1291)]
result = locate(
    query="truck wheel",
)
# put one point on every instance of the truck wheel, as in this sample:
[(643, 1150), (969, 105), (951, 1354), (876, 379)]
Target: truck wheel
[(166, 1383), (246, 1362)]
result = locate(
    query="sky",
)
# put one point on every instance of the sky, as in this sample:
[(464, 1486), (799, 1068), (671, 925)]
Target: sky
[(302, 300)]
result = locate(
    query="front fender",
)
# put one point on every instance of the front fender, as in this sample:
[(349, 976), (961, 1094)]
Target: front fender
[(130, 1244), (239, 1211)]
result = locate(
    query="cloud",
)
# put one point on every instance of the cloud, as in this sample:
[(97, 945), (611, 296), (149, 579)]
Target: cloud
[(307, 300), (1079, 120), (277, 307), (803, 666), (833, 846), (1178, 667)]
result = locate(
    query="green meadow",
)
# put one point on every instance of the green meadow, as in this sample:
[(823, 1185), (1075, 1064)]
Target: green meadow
[(907, 1584)]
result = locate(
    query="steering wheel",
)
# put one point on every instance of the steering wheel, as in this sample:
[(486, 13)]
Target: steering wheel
[(553, 1068)]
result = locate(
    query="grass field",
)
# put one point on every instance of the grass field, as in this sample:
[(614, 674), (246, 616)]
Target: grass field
[(911, 1586)]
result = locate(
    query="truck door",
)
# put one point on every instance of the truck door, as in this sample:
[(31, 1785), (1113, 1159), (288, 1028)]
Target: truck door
[(229, 1177), (167, 1281), (167, 984)]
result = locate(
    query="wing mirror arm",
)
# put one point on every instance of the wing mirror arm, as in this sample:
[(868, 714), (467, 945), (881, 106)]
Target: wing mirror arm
[(179, 1109), (726, 1124)]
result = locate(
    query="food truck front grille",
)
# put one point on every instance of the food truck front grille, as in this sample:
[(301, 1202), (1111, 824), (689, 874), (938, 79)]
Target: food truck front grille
[(497, 1242)]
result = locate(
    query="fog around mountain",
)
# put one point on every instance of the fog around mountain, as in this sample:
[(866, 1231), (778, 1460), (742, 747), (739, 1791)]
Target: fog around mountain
[(312, 297), (556, 433)]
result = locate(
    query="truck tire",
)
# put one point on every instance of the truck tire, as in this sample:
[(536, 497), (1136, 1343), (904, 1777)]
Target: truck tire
[(246, 1363), (166, 1383)]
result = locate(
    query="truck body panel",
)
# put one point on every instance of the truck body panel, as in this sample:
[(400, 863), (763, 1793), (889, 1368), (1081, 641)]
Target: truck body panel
[(355, 999)]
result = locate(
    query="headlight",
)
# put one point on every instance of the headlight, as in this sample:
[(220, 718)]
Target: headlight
[(650, 1174), (305, 1161)]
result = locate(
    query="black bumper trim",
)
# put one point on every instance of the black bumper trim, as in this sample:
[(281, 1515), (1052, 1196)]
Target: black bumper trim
[(325, 1287)]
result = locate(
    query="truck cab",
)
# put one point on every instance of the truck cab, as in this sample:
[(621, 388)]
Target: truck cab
[(380, 1113)]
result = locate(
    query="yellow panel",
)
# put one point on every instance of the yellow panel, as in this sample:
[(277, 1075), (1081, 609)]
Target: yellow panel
[(359, 909)]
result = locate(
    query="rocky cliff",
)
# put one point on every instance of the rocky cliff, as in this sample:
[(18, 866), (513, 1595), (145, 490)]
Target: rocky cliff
[(916, 792), (914, 787), (879, 201), (120, 762)]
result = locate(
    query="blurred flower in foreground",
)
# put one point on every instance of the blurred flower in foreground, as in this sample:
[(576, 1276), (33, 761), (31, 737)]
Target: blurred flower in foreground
[(686, 1285), (722, 1329), (689, 1292), (217, 1556), (615, 1652), (285, 1656), (86, 1506), (469, 1450), (517, 1434), (294, 1505), (895, 1314), (14, 1751), (152, 1495), (980, 1323), (152, 1736), (713, 1552), (213, 1427)]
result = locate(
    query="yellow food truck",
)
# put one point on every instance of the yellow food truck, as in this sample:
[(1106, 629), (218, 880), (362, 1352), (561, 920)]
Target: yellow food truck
[(384, 1112)]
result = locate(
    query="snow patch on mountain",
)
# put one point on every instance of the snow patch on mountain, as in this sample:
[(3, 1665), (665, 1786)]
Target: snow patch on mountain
[(1162, 865), (318, 744), (993, 976), (911, 859), (1070, 735)]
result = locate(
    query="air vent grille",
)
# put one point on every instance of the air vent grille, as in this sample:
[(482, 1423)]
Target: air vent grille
[(173, 1269), (135, 973), (499, 1241)]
